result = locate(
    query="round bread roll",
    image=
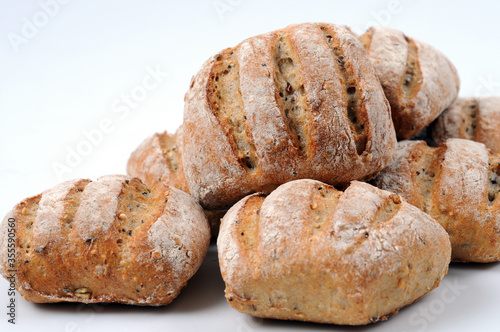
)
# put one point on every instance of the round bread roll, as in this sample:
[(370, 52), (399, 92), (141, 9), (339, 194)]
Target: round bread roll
[(157, 161), (458, 184), (110, 240), (418, 80), (309, 252), (301, 102), (476, 119)]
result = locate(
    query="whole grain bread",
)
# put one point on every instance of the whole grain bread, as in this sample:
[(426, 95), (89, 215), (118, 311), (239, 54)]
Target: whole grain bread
[(110, 240), (419, 81), (157, 161), (477, 119), (301, 102), (456, 183), (309, 252)]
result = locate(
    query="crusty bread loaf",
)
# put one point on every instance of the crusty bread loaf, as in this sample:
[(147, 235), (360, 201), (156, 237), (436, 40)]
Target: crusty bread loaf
[(477, 119), (301, 102), (110, 240), (309, 252), (418, 80), (157, 161), (457, 183)]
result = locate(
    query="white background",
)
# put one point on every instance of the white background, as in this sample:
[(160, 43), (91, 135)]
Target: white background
[(66, 68)]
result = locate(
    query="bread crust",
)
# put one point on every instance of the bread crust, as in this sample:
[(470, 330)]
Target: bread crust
[(301, 102), (110, 240), (457, 184), (477, 119), (157, 161), (309, 252), (418, 80)]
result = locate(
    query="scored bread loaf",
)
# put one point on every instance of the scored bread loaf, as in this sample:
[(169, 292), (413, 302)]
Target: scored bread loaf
[(301, 102), (476, 119), (456, 183), (110, 240), (309, 252), (418, 80), (157, 161)]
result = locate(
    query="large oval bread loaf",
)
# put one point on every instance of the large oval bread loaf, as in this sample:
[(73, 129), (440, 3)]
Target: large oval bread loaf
[(309, 252), (110, 240), (157, 161), (477, 119), (418, 80), (458, 184), (301, 102)]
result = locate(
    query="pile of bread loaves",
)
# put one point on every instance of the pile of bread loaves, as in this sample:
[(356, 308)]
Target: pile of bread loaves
[(280, 136)]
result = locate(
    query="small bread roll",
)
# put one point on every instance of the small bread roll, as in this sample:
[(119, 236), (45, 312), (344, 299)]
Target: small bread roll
[(418, 80), (309, 252), (477, 119), (157, 161), (458, 184), (110, 240), (301, 102)]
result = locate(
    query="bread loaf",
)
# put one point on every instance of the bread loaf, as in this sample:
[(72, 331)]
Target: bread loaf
[(477, 119), (301, 102), (157, 161), (110, 240), (309, 252), (457, 183), (418, 80)]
